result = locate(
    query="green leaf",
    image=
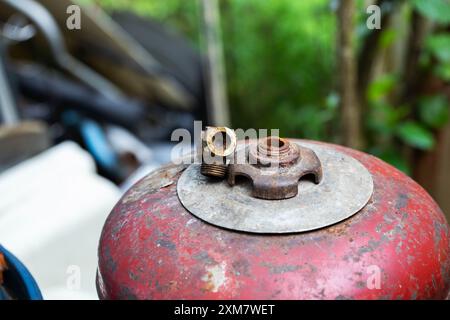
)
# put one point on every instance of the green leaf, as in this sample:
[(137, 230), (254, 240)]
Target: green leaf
[(439, 46), (332, 101), (388, 37), (434, 110), (415, 135), (384, 118), (442, 71), (380, 87), (436, 10)]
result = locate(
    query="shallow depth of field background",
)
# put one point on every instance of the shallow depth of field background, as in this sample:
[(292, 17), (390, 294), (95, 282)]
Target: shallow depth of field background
[(282, 67)]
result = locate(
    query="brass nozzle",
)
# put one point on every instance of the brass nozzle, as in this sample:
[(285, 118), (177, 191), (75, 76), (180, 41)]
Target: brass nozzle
[(218, 146)]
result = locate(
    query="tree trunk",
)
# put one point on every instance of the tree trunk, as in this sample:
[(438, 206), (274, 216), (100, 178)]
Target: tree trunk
[(419, 30), (215, 75), (351, 117), (432, 169), (369, 53)]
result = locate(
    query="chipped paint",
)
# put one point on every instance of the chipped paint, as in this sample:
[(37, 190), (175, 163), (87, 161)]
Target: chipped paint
[(152, 248), (158, 179), (214, 277)]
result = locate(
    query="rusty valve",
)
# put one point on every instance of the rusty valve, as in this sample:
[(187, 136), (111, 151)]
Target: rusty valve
[(218, 146), (275, 165)]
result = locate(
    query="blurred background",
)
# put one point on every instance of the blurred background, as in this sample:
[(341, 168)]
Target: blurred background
[(285, 69), (91, 93)]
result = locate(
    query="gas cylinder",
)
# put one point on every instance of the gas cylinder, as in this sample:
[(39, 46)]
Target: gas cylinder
[(295, 219)]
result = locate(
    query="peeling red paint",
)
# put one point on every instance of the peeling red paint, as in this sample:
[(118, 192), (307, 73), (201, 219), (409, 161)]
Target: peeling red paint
[(152, 248)]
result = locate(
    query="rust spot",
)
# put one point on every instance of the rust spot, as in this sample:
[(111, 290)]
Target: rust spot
[(214, 277), (133, 276), (127, 293), (340, 228), (241, 267), (111, 264), (437, 226), (154, 181), (343, 297), (402, 201), (173, 285), (166, 244), (205, 258), (279, 269)]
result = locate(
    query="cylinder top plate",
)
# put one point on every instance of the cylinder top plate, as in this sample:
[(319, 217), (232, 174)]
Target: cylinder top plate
[(345, 189)]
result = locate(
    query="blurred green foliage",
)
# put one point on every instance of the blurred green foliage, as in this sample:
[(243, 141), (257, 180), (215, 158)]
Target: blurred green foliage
[(181, 15), (279, 59), (436, 10), (280, 64), (281, 69), (389, 126), (438, 46)]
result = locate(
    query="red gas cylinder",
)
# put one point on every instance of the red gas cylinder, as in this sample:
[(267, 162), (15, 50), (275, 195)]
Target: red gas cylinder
[(360, 229)]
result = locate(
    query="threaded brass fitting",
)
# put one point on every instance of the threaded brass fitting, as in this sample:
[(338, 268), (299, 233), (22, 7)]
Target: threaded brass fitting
[(218, 146)]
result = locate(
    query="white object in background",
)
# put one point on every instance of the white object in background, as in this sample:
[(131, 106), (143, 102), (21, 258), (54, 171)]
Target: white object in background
[(161, 154), (124, 141), (52, 210)]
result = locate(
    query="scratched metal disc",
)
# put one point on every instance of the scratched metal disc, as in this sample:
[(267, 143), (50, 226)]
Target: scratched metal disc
[(345, 189)]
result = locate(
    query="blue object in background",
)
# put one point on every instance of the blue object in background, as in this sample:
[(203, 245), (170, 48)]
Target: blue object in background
[(95, 140), (98, 145), (18, 280)]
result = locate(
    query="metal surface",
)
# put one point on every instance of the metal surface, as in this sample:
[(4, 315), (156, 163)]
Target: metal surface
[(345, 189), (274, 166), (396, 247)]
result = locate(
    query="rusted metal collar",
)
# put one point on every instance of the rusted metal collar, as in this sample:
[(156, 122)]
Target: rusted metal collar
[(274, 165)]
